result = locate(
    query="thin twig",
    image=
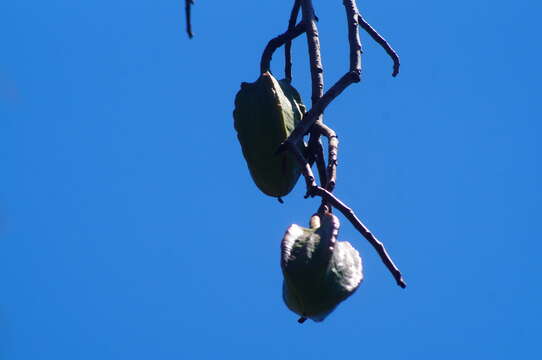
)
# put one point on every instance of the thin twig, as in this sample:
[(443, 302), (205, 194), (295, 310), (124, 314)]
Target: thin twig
[(353, 35), (187, 9), (313, 42), (379, 39), (333, 149), (316, 153), (305, 170), (330, 199), (288, 46), (317, 82), (367, 234), (275, 43)]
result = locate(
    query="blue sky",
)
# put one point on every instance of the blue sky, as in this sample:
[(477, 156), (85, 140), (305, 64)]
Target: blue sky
[(130, 227)]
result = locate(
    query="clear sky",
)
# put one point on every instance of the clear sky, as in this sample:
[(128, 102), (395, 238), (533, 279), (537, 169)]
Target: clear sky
[(130, 227)]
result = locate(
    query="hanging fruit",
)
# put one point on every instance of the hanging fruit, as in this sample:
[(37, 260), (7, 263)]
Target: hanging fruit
[(265, 114), (319, 271)]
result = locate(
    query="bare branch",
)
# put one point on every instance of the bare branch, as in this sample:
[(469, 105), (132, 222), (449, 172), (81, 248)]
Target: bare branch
[(316, 153), (317, 82), (353, 35), (313, 41), (367, 234), (333, 149), (379, 39), (288, 46), (330, 199), (187, 9), (275, 43), (306, 170)]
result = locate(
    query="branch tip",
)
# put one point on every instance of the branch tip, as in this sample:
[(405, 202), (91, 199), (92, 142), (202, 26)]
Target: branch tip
[(380, 40), (187, 8)]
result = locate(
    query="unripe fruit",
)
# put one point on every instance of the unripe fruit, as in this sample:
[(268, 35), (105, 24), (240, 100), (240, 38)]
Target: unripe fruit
[(319, 271), (266, 112)]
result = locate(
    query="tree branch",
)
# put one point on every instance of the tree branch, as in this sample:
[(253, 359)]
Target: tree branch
[(316, 153), (367, 234), (313, 42), (187, 9), (317, 83), (333, 148), (330, 199), (379, 39), (275, 43), (288, 46), (353, 35), (305, 169)]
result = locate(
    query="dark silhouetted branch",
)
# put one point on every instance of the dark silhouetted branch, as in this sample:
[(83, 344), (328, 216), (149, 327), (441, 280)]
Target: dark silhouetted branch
[(353, 35), (313, 42), (317, 83), (379, 39), (331, 200), (187, 9), (316, 154), (275, 43), (288, 46), (333, 149), (305, 170), (367, 234)]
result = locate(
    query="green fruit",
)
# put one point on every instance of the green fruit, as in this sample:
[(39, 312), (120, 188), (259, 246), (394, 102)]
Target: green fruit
[(319, 271), (266, 112)]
